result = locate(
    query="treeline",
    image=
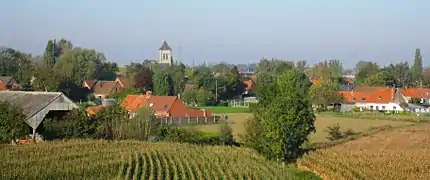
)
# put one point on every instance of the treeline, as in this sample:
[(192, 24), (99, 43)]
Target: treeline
[(111, 123)]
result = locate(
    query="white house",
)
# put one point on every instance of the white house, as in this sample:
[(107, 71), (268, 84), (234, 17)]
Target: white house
[(374, 98)]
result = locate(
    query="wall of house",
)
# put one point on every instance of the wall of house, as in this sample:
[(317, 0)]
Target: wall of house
[(380, 106)]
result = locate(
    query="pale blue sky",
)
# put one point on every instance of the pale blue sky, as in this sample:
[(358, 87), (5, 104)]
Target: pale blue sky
[(235, 31)]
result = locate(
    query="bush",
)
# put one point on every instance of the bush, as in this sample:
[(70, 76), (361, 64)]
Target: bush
[(74, 125), (223, 103), (12, 123), (227, 134), (334, 132)]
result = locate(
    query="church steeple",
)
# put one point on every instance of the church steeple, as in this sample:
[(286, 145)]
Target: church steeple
[(165, 54)]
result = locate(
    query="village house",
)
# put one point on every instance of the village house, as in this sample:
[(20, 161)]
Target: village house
[(373, 98), (8, 83), (163, 106), (102, 89), (421, 93), (38, 105)]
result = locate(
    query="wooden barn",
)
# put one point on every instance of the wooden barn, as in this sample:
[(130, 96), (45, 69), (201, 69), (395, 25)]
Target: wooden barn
[(38, 105)]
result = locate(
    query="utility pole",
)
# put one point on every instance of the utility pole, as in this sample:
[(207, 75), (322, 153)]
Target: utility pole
[(216, 90)]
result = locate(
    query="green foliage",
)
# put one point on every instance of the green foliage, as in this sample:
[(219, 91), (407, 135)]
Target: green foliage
[(365, 69), (382, 78), (163, 85), (205, 97), (121, 95), (417, 68), (324, 94), (326, 70), (176, 134), (140, 127), (415, 100), (49, 55), (284, 117), (226, 134), (334, 132), (72, 126), (17, 64), (12, 123)]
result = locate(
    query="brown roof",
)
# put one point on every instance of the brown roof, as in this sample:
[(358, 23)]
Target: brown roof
[(106, 87), (124, 82), (90, 83), (5, 79)]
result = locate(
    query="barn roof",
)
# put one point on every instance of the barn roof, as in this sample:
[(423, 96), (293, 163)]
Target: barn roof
[(32, 103)]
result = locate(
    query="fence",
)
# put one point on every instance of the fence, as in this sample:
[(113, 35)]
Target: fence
[(188, 120)]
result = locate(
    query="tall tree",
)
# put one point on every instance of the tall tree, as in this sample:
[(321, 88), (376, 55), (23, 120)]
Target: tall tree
[(233, 83), (49, 56), (366, 70), (324, 94), (284, 117), (163, 84), (417, 68), (143, 79)]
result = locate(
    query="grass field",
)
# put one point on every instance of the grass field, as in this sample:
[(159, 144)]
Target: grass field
[(402, 153), (237, 123), (97, 159), (226, 110)]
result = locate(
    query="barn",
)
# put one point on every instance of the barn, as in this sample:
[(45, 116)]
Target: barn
[(37, 105)]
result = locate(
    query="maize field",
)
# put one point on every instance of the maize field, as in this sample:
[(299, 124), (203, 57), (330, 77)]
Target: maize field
[(97, 159), (394, 154)]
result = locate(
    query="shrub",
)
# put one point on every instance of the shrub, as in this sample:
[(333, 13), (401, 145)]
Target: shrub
[(74, 125), (227, 134), (12, 123), (334, 132)]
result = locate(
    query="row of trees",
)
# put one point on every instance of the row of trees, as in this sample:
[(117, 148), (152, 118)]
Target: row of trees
[(62, 67), (197, 85)]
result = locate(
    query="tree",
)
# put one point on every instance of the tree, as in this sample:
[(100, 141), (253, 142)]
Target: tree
[(49, 56), (382, 78), (324, 94), (163, 84), (205, 97), (426, 76), (401, 74), (285, 117), (417, 68), (17, 64), (12, 122), (366, 70), (233, 83), (326, 70), (143, 79)]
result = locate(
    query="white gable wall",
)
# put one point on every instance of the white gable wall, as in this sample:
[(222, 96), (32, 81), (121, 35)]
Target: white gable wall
[(380, 106)]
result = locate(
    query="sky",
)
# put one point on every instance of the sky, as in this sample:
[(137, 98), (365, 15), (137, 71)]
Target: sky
[(233, 31)]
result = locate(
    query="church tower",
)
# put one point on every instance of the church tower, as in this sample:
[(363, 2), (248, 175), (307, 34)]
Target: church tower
[(165, 54)]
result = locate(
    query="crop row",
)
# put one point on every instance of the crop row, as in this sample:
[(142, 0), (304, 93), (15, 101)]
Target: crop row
[(135, 160)]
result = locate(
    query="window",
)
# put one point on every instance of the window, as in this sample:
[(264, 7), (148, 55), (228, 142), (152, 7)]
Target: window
[(383, 107), (379, 97), (394, 107), (165, 106), (364, 98)]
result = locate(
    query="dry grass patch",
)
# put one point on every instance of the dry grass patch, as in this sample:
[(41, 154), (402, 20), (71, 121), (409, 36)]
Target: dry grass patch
[(402, 153)]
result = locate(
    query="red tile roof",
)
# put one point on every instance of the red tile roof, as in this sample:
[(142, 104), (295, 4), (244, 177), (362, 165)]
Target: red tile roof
[(2, 86), (316, 81), (248, 85), (416, 92), (378, 95), (163, 106)]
